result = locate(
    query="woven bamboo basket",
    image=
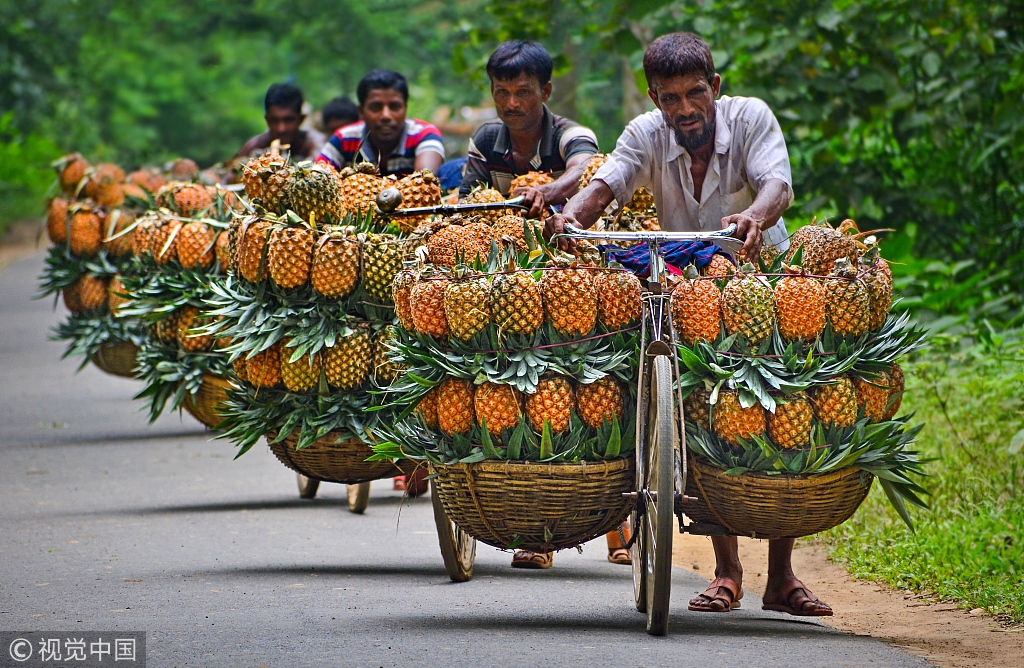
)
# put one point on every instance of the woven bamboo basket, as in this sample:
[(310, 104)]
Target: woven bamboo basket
[(203, 404), (774, 506), (330, 460), (117, 359), (533, 506)]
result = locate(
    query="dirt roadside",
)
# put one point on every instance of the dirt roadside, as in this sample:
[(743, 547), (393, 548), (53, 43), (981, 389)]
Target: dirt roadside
[(942, 633)]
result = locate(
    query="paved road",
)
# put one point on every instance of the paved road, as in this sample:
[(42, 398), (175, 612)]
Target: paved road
[(107, 523)]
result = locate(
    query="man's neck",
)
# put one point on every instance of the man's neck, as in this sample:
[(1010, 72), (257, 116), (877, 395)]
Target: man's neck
[(704, 153), (524, 142)]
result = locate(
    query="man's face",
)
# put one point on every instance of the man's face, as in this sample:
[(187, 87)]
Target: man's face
[(333, 125), (384, 112), (688, 104), (283, 123), (520, 101)]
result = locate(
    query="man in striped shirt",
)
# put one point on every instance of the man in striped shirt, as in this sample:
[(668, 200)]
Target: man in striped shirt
[(384, 136), (526, 136)]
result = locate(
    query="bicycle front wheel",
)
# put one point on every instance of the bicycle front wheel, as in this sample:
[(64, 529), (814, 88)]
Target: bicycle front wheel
[(658, 496)]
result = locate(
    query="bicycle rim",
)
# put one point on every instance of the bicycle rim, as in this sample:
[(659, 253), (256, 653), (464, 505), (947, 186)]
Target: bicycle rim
[(659, 495)]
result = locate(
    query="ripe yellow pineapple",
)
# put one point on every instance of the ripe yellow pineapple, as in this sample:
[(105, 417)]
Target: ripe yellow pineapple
[(335, 269), (115, 300), (115, 222), (530, 180), (790, 425), (301, 375), (163, 242), (510, 228), (427, 301), (618, 298), (719, 267), (877, 277), (897, 383), (443, 246), (591, 168), (848, 303), (147, 179), (748, 306), (190, 317), (252, 239), (696, 308), (482, 195), (467, 306), (473, 242), (873, 395), (499, 405), (385, 370), (599, 401), (188, 199), (195, 245), (85, 231), (418, 189), (165, 330), (835, 403), (72, 169), (517, 306), (360, 186), (239, 366), (290, 255), (87, 294), (57, 220), (183, 169), (143, 233), (257, 169), (553, 402), (697, 407), (313, 193), (570, 299), (401, 292), (264, 368), (799, 305), (642, 202), (382, 259), (823, 245), (455, 413), (105, 185), (347, 364), (427, 409), (731, 421), (222, 250)]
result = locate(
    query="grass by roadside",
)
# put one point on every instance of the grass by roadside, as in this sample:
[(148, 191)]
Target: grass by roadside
[(969, 547)]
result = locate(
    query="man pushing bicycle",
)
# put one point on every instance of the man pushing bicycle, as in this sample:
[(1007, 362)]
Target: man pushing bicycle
[(710, 162)]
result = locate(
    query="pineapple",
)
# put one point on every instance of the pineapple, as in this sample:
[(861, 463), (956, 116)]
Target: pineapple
[(301, 375), (401, 291), (897, 383), (85, 231), (732, 422), (599, 401), (835, 403), (335, 268), (253, 239), (719, 267), (467, 306), (454, 406), (290, 255), (822, 245), (499, 405), (257, 169), (72, 170), (146, 179), (183, 169), (570, 299), (264, 368), (591, 168), (697, 407), (799, 305), (510, 227), (385, 370), (530, 180), (165, 330), (877, 276), (57, 220), (618, 298), (747, 306), (873, 395), (240, 368), (115, 222), (195, 245), (163, 242), (696, 308), (222, 250), (382, 259), (190, 317), (790, 425), (427, 409), (473, 241), (848, 304), (143, 233), (418, 189), (553, 403), (87, 294), (427, 299), (347, 364), (106, 185), (485, 196), (516, 303), (187, 199), (359, 186), (115, 301), (313, 193), (443, 246), (642, 202)]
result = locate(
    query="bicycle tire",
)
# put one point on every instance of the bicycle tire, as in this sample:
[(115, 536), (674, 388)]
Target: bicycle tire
[(458, 548), (307, 486), (660, 515), (358, 497)]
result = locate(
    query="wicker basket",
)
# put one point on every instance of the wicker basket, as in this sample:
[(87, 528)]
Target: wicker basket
[(539, 507), (774, 506), (331, 461), (203, 404), (117, 359)]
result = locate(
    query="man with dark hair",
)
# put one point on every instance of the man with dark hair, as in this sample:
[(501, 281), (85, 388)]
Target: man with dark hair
[(283, 112), (385, 137), (526, 136), (710, 162), (338, 113)]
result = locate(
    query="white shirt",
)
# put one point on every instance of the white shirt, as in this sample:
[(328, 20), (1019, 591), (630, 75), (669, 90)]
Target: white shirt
[(749, 150)]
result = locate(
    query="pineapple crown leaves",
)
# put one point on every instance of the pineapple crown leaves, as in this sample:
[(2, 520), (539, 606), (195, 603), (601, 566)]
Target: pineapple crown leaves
[(169, 374), (63, 269), (155, 291), (88, 333)]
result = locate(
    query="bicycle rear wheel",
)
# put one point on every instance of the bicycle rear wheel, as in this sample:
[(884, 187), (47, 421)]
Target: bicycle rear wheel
[(358, 496), (458, 548), (658, 496)]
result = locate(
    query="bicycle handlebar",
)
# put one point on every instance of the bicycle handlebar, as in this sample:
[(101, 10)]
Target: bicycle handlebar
[(722, 238)]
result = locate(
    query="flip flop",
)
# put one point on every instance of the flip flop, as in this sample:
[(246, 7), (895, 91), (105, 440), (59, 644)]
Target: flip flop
[(620, 555), (796, 608), (535, 560), (731, 597)]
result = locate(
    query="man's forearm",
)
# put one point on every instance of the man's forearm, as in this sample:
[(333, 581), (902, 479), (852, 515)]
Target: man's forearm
[(588, 205), (771, 201), (565, 187)]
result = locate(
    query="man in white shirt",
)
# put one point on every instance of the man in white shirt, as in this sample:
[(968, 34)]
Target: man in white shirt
[(709, 162)]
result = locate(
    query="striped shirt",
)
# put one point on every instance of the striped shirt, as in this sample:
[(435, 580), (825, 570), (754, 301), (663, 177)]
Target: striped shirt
[(490, 152), (418, 137)]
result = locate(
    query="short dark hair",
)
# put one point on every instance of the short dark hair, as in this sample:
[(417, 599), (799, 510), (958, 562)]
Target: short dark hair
[(340, 108), (518, 56), (677, 54), (283, 95), (382, 80)]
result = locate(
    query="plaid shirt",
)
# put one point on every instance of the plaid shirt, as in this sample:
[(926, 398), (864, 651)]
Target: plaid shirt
[(418, 136), (490, 152)]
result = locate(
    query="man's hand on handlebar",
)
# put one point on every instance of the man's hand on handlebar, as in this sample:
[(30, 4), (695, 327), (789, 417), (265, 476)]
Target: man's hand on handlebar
[(533, 199), (749, 230), (555, 225)]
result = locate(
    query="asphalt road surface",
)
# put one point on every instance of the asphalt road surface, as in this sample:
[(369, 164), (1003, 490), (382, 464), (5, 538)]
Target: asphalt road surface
[(107, 523)]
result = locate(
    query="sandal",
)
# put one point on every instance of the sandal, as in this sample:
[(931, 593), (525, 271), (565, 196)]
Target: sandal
[(798, 605), (536, 560), (730, 597), (619, 555)]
